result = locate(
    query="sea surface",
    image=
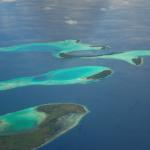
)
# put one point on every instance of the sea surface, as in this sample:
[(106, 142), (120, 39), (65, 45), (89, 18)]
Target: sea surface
[(119, 117)]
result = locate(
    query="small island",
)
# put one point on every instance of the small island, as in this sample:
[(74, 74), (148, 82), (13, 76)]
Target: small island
[(134, 57), (137, 61), (54, 47), (74, 75), (100, 75), (34, 127)]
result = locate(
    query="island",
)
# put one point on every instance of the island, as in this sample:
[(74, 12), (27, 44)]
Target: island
[(55, 48), (134, 57), (75, 75), (34, 127)]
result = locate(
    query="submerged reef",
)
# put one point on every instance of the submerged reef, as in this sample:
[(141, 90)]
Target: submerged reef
[(34, 127), (132, 57), (56, 48), (16, 122), (82, 74)]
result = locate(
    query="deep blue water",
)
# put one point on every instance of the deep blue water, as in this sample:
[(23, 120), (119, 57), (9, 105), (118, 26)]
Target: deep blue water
[(120, 104)]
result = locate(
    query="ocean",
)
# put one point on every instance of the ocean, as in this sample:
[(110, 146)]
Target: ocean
[(119, 105)]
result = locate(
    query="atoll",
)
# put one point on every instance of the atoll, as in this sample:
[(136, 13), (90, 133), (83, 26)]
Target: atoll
[(55, 48), (82, 74), (132, 57)]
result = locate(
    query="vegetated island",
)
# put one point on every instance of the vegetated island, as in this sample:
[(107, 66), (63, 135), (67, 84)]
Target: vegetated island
[(75, 75), (34, 127), (134, 57)]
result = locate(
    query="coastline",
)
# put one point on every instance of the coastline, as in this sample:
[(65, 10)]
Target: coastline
[(65, 131), (59, 118)]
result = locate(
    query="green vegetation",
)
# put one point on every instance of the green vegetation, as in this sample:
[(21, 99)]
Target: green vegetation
[(59, 119)]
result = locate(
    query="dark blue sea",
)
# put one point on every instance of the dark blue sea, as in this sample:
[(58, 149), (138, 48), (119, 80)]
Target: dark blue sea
[(119, 117)]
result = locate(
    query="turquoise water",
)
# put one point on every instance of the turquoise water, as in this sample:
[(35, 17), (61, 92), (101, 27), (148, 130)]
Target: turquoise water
[(127, 56), (20, 121), (76, 75), (119, 105), (55, 48)]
